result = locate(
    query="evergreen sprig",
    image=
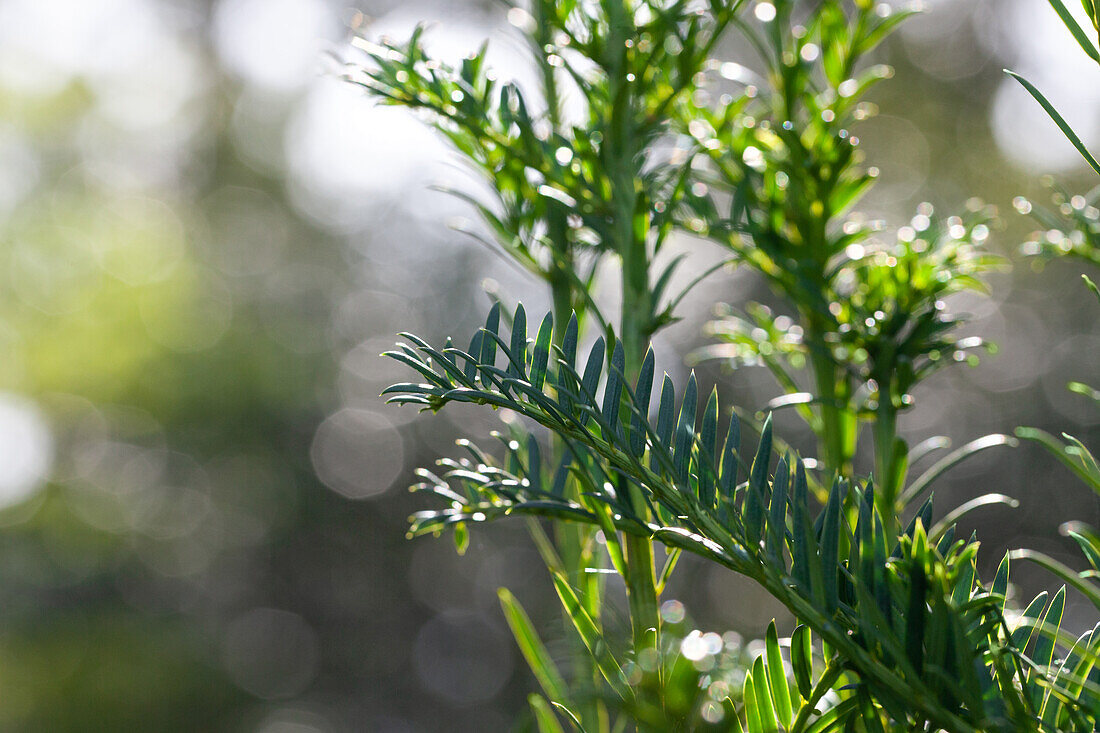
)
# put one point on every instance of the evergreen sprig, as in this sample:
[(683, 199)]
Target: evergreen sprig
[(908, 618), (568, 190), (767, 166)]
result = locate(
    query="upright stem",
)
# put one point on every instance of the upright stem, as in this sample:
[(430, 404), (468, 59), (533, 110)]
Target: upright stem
[(562, 284), (834, 439), (562, 288), (574, 546), (809, 708), (630, 231), (641, 586), (573, 540), (641, 590), (886, 431), (638, 307)]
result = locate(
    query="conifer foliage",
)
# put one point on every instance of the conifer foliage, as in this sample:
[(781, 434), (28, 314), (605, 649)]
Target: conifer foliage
[(895, 630)]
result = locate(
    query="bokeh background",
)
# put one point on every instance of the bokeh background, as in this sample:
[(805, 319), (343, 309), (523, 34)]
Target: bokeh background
[(206, 239)]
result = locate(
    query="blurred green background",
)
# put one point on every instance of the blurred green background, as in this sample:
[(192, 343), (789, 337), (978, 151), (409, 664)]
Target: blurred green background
[(205, 242)]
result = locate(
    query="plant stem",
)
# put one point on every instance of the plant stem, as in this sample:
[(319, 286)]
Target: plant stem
[(641, 581), (833, 439), (641, 589), (630, 241), (573, 541), (561, 290), (886, 431), (832, 672)]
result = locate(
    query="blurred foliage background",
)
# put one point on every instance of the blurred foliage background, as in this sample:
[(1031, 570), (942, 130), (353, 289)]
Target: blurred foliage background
[(206, 239)]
